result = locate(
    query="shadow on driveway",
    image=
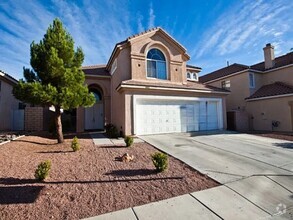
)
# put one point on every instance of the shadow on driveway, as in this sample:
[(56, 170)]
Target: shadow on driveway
[(284, 145)]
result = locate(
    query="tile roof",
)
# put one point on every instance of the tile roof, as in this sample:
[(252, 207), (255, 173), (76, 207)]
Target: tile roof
[(234, 68), (98, 70), (279, 61), (191, 66), (226, 71), (189, 85), (275, 89)]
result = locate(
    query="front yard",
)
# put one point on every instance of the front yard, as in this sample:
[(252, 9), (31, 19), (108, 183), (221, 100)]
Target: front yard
[(85, 183)]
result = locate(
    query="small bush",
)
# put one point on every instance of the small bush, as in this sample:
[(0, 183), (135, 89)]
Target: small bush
[(75, 144), (111, 131), (128, 141), (43, 170), (160, 160)]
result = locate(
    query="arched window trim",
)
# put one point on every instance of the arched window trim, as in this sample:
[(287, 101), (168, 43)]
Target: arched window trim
[(193, 76), (165, 61), (97, 93), (188, 75)]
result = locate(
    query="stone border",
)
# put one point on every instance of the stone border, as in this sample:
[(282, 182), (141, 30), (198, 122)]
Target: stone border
[(5, 142)]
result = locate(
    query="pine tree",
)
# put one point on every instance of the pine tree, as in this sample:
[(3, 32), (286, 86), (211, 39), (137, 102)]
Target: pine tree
[(56, 78)]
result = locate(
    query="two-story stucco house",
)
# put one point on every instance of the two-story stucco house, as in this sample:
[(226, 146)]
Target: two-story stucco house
[(147, 88), (261, 95), (10, 117)]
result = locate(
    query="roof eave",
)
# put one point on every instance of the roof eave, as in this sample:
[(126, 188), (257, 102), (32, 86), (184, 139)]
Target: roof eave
[(268, 97), (8, 78), (124, 86)]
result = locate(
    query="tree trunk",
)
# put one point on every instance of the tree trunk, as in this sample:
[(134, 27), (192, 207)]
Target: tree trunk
[(58, 124)]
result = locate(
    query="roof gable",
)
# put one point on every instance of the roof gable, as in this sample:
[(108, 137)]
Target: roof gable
[(135, 37)]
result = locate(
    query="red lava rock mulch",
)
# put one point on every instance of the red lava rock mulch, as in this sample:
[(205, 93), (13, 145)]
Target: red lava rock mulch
[(85, 183)]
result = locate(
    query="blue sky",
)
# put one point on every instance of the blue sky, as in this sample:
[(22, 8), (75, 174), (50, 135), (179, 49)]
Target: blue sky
[(212, 31)]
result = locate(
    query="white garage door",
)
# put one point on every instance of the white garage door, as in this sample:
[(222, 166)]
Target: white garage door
[(157, 116)]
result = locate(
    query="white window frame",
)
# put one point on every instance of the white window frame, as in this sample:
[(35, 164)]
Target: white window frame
[(166, 62), (225, 82), (189, 75), (113, 67), (193, 76), (251, 86)]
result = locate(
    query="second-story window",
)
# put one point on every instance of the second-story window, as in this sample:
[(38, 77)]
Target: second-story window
[(251, 80), (192, 76), (226, 84), (113, 67), (156, 64)]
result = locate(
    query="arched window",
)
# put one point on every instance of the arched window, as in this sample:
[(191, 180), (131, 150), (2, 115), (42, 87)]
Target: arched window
[(156, 64), (194, 76), (97, 94)]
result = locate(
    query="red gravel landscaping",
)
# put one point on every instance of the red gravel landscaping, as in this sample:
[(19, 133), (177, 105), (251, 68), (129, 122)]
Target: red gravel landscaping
[(85, 183)]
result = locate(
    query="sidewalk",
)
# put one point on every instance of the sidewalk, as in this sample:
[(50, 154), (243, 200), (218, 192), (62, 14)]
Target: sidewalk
[(247, 198), (101, 139)]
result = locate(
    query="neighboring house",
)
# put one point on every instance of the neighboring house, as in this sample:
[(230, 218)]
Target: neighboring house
[(261, 95), (147, 88), (10, 116)]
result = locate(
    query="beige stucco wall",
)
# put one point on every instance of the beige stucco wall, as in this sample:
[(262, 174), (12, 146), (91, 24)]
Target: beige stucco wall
[(131, 64), (267, 110), (175, 58), (123, 72), (8, 103), (279, 75), (274, 109), (129, 104), (239, 90)]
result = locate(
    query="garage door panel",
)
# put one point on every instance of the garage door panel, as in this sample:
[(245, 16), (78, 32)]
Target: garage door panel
[(153, 116)]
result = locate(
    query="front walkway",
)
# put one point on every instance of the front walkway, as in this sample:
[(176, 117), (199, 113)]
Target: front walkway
[(256, 176)]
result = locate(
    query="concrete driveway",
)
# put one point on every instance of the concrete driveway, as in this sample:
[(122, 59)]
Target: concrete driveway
[(227, 157), (256, 172)]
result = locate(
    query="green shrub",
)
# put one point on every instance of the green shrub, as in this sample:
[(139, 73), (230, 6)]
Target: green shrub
[(128, 141), (75, 144), (43, 170), (111, 131), (160, 160)]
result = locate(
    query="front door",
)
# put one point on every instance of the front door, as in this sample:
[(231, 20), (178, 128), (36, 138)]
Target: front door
[(94, 116)]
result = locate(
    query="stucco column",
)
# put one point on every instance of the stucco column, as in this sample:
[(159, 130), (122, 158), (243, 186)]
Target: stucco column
[(107, 109)]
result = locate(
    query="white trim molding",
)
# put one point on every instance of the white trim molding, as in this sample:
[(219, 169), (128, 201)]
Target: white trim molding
[(170, 89)]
